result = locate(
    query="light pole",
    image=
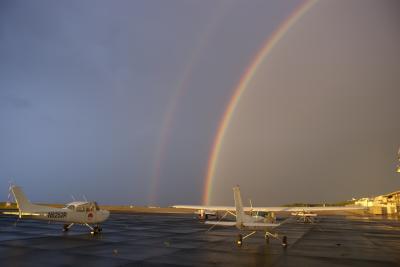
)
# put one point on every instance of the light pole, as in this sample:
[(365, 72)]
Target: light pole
[(398, 170), (398, 159)]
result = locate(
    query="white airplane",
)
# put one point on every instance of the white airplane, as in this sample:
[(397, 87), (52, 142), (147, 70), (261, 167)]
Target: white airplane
[(84, 213), (305, 216), (256, 223), (304, 213), (246, 222)]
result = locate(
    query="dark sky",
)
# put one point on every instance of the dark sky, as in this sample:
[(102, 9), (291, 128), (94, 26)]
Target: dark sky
[(86, 88), (320, 120)]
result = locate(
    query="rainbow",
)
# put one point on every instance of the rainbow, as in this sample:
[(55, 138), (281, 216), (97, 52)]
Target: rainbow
[(173, 105), (248, 75)]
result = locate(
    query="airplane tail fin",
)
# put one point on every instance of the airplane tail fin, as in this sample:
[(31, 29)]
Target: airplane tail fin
[(239, 205), (24, 205)]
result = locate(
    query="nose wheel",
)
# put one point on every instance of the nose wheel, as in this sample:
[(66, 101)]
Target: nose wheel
[(96, 230), (284, 241), (239, 240)]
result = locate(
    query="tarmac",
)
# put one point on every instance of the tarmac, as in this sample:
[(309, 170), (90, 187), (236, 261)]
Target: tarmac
[(181, 240)]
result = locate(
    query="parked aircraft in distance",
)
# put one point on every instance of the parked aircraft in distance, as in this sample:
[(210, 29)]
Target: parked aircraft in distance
[(257, 223), (78, 212)]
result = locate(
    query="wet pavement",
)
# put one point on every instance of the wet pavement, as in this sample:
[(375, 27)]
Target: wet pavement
[(180, 240)]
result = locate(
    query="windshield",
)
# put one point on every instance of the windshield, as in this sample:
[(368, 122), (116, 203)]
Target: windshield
[(70, 207)]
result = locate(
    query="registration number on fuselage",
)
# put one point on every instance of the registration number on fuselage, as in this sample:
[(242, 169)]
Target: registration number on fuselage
[(56, 214)]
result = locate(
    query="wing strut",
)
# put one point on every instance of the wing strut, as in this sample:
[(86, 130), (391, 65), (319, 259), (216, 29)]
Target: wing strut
[(212, 226)]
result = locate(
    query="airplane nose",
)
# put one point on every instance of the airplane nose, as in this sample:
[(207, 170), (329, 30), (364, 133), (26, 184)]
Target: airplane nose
[(106, 214)]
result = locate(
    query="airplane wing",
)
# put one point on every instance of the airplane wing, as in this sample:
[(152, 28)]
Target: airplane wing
[(220, 223), (227, 208), (297, 209), (269, 209), (199, 207)]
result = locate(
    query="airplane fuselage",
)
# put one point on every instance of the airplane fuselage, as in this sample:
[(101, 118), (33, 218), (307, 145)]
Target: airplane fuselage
[(68, 216), (78, 212)]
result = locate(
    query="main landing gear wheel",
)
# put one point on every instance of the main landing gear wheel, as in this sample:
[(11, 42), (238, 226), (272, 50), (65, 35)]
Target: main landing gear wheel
[(65, 228), (284, 241), (96, 230), (239, 240)]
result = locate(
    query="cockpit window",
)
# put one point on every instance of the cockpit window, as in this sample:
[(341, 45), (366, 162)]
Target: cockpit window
[(85, 207), (80, 208)]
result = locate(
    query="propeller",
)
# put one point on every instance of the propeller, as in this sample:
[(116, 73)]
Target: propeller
[(9, 197), (251, 208)]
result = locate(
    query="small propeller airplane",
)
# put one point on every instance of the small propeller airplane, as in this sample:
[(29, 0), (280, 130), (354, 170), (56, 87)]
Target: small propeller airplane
[(77, 212), (257, 223), (246, 222)]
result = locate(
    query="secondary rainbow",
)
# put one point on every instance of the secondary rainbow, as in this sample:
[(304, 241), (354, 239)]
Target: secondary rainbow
[(173, 105), (241, 87)]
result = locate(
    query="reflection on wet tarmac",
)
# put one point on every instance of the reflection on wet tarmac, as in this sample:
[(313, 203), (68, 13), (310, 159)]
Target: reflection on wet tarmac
[(153, 240)]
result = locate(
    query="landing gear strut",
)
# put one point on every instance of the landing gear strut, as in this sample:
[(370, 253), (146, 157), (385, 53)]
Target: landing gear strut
[(276, 236), (283, 239), (67, 226)]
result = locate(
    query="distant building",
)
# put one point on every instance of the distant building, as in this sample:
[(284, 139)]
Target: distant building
[(384, 204), (365, 202)]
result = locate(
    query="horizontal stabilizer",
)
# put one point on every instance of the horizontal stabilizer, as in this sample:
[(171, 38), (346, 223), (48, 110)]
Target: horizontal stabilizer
[(23, 213), (254, 224), (220, 223)]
